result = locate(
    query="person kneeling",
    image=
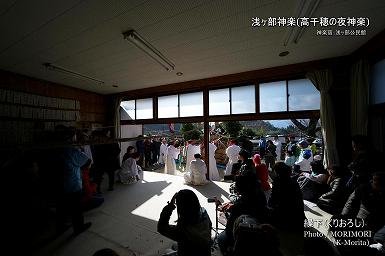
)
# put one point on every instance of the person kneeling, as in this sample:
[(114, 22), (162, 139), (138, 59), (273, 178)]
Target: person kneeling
[(197, 173), (129, 173)]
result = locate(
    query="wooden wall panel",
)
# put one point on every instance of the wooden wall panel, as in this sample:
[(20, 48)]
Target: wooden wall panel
[(29, 105)]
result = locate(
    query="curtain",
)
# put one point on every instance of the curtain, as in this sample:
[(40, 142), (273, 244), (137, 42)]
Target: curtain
[(322, 80), (117, 118), (359, 101)]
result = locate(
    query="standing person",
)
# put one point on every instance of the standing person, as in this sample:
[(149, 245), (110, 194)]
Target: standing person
[(140, 149), (69, 162), (163, 151), (271, 154), (106, 159), (278, 147), (262, 175), (192, 149), (213, 170), (232, 153), (262, 146), (197, 173), (292, 147), (172, 155), (193, 229), (147, 152), (156, 150)]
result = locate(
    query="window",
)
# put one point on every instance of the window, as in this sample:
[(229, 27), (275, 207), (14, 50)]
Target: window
[(191, 104), (303, 95), (272, 97), (144, 109), (243, 99), (168, 106), (128, 108), (219, 102)]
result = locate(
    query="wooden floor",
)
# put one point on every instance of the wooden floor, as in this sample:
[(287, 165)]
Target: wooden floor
[(127, 220)]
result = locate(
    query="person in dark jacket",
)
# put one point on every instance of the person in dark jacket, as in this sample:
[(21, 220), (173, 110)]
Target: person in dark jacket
[(251, 201), (334, 200), (286, 203), (140, 149), (365, 161), (106, 159), (313, 184), (367, 202), (247, 165), (155, 150), (193, 229), (271, 154)]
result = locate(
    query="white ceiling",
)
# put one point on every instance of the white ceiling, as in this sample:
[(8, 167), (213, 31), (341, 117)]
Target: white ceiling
[(204, 38)]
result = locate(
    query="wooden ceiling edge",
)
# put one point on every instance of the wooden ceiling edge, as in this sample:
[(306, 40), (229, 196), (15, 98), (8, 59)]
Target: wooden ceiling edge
[(291, 71)]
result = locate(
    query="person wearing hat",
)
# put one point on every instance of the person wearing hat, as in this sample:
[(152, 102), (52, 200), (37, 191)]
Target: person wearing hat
[(303, 164)]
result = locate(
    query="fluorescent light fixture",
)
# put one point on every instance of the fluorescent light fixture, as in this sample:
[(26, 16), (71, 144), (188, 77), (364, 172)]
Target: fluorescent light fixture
[(149, 49), (70, 72), (305, 8)]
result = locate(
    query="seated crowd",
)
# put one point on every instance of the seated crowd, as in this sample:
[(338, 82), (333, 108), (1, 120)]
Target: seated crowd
[(355, 193), (267, 195)]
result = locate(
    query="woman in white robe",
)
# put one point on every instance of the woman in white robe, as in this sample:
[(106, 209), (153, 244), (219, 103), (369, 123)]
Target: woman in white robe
[(192, 149), (129, 171), (213, 170), (172, 154), (197, 173), (232, 153), (163, 152)]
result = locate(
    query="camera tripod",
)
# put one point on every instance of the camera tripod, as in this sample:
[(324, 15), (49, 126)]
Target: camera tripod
[(216, 229)]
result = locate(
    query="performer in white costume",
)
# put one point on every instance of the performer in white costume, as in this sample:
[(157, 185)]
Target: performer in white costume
[(278, 147), (163, 151), (129, 172), (232, 153), (172, 154), (213, 170), (197, 173), (191, 150)]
